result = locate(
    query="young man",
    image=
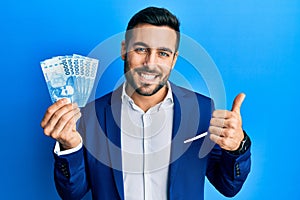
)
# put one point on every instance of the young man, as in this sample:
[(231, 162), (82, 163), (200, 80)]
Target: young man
[(134, 137)]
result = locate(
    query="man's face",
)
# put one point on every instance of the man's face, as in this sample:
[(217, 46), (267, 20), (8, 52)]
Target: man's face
[(149, 57)]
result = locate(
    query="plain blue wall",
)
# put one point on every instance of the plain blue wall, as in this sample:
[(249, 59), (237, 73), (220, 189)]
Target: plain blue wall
[(254, 43)]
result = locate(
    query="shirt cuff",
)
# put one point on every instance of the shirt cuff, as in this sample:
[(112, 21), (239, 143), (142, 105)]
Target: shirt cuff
[(58, 152)]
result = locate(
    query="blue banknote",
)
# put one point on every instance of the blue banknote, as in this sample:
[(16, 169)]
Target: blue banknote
[(71, 77)]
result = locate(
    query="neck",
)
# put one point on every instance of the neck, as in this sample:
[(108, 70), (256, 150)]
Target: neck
[(146, 102)]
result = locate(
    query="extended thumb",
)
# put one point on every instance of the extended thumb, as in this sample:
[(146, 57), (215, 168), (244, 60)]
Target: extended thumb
[(237, 103)]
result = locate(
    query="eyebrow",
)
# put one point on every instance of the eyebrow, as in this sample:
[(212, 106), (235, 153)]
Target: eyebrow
[(159, 48), (165, 49)]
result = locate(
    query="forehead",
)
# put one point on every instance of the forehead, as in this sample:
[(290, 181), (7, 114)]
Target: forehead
[(153, 36)]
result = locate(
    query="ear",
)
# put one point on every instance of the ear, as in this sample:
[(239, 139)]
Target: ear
[(123, 50), (175, 59)]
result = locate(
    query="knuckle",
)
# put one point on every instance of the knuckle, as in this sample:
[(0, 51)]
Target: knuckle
[(69, 106), (231, 123), (59, 124), (42, 124), (65, 118), (68, 125), (47, 132), (55, 135), (56, 115), (227, 114), (71, 123), (220, 131), (49, 111), (63, 137), (221, 142), (222, 114), (211, 129), (65, 109), (221, 122), (225, 132), (77, 110)]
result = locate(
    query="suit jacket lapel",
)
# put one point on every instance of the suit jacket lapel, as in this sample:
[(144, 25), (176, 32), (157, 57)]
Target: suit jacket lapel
[(174, 147), (184, 127), (113, 119), (177, 142)]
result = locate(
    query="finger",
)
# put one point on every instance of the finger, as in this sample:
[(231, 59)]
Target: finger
[(69, 138), (237, 103), (228, 133), (65, 119), (71, 124), (225, 143), (58, 115), (218, 122), (52, 109), (216, 139), (222, 114), (58, 121), (216, 131), (232, 123)]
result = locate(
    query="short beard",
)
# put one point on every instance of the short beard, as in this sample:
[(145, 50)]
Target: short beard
[(137, 89), (140, 92)]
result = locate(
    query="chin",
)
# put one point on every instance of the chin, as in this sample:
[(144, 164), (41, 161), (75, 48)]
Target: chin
[(148, 92)]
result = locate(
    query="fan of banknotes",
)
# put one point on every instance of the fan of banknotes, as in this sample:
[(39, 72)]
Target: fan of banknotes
[(71, 77)]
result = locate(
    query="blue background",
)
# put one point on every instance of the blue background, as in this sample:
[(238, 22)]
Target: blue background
[(254, 43)]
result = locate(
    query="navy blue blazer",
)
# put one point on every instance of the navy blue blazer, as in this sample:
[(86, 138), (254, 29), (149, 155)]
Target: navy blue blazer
[(98, 167)]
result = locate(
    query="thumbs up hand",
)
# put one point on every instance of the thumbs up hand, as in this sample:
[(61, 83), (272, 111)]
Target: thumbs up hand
[(226, 126)]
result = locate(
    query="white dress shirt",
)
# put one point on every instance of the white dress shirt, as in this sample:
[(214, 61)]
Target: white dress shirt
[(146, 145)]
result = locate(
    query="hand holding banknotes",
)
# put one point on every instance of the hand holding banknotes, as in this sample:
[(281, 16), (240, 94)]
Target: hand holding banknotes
[(70, 80), (59, 122), (226, 126)]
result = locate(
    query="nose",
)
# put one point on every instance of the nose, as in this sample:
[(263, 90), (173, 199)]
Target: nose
[(151, 58)]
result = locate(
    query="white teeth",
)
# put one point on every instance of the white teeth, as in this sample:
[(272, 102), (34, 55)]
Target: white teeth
[(148, 77)]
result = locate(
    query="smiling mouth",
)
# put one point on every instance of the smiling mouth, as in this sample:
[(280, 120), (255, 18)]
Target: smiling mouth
[(147, 76)]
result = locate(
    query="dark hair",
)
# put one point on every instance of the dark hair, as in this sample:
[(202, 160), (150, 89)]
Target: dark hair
[(157, 17)]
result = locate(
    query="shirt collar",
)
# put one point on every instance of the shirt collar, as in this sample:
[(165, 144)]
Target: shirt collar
[(168, 100)]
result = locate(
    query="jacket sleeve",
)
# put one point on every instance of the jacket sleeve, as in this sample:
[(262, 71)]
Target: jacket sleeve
[(228, 172), (70, 175)]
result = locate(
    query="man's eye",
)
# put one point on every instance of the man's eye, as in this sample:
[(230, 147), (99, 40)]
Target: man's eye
[(141, 50), (163, 54)]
